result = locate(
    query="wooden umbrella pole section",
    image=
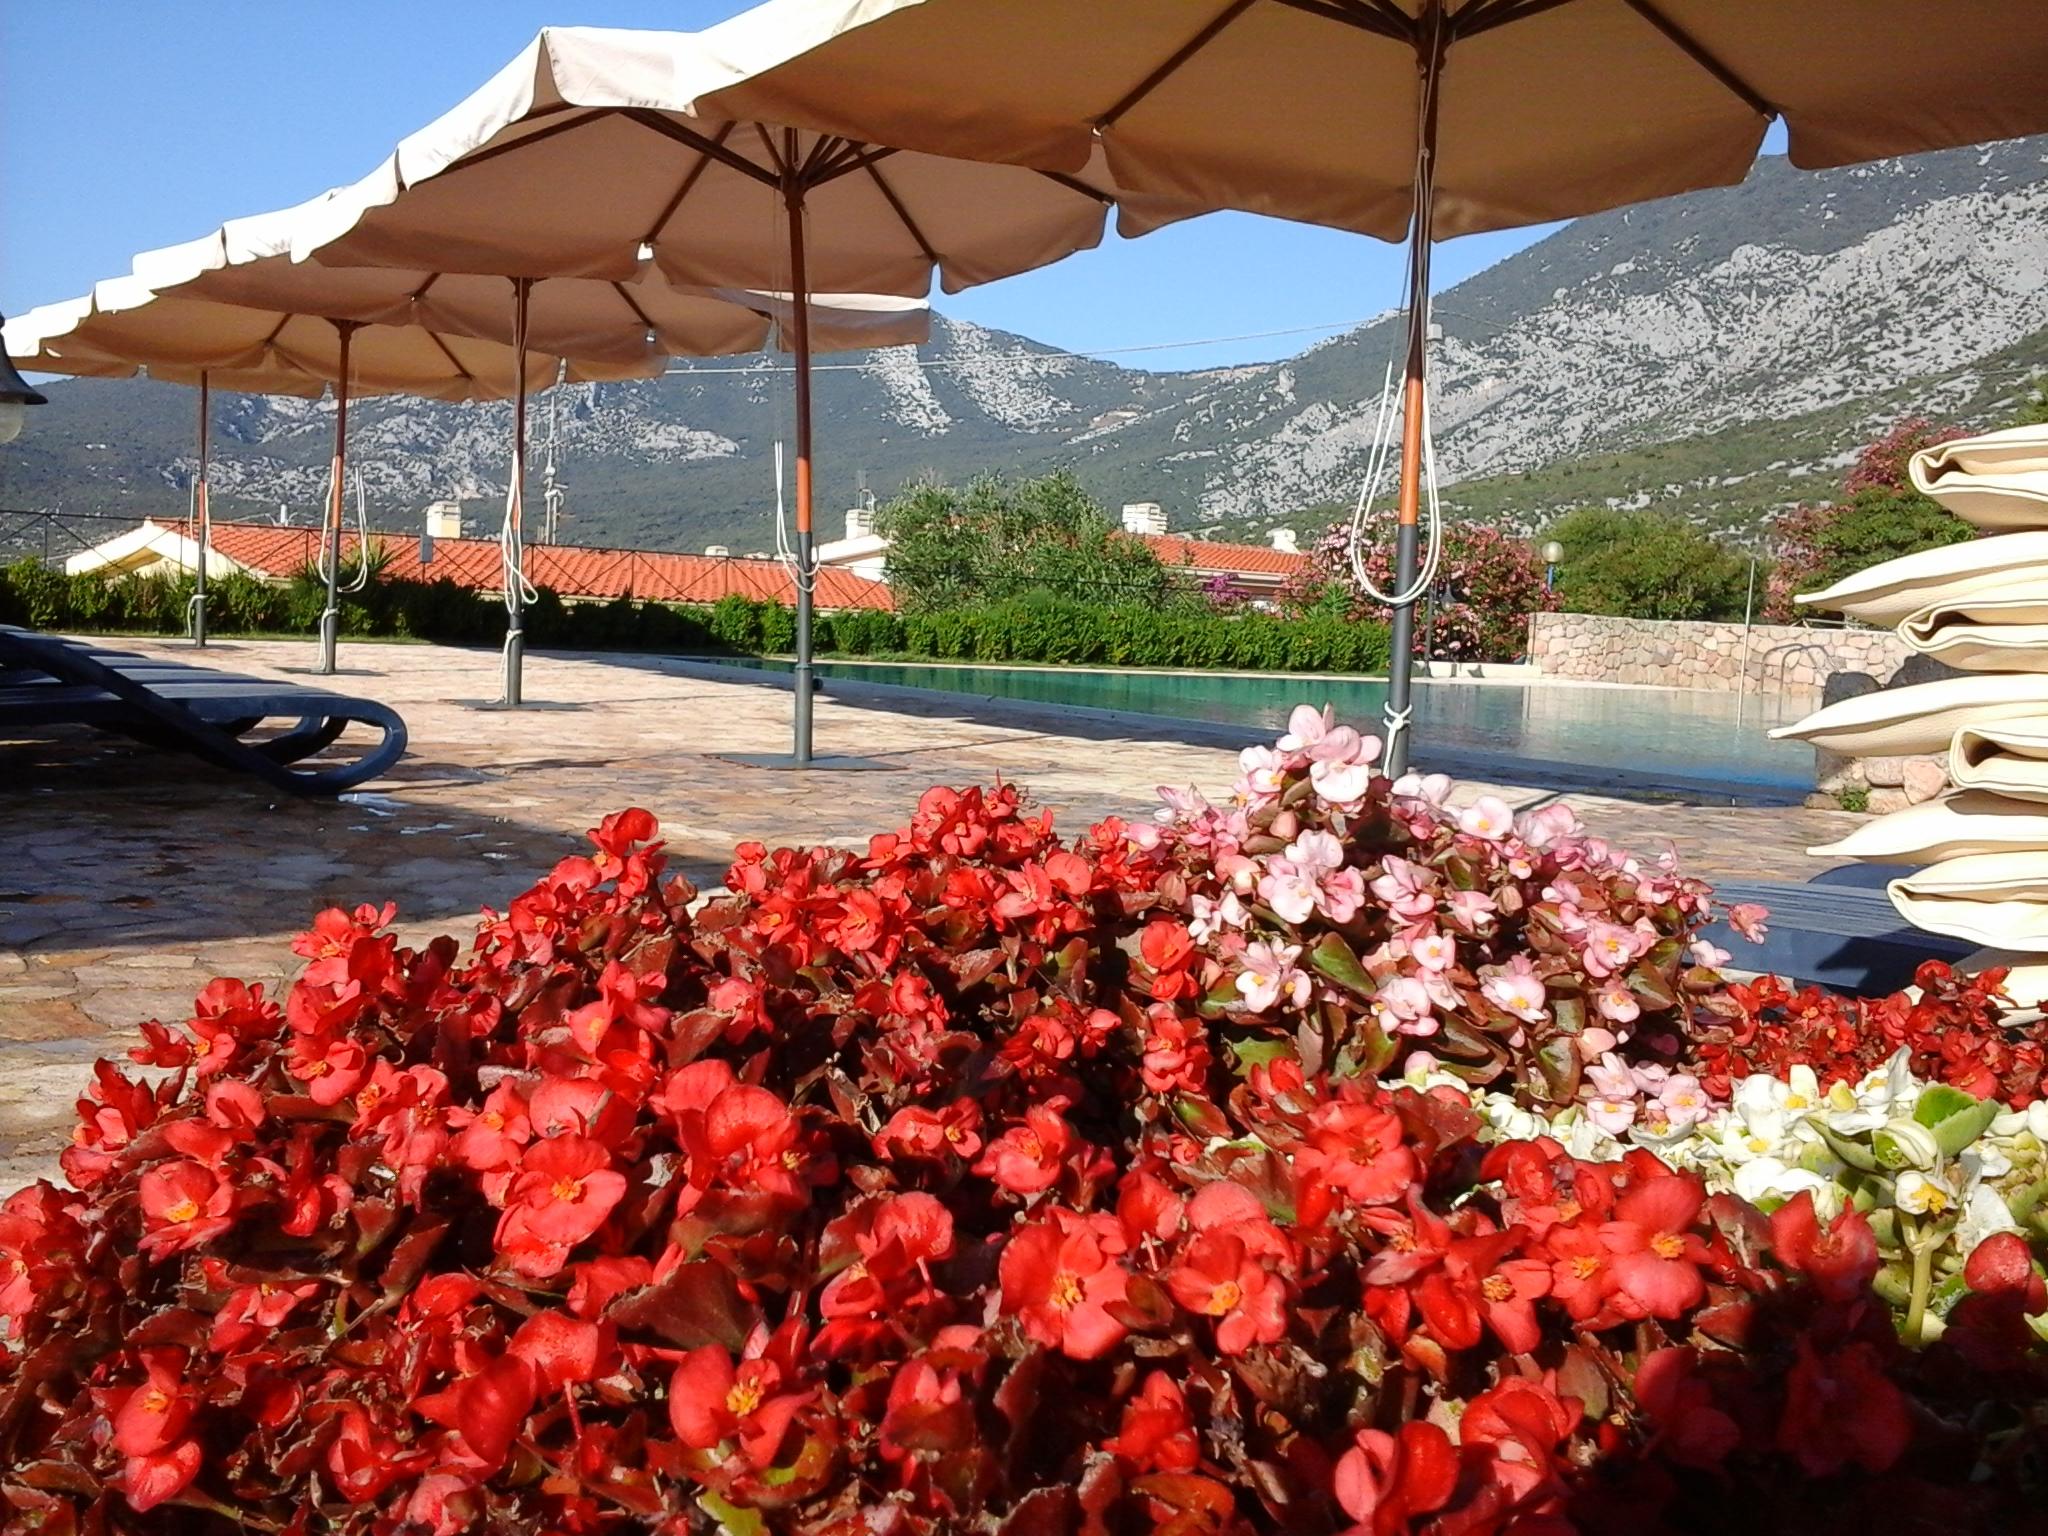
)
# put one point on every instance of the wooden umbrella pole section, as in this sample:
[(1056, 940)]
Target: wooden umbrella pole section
[(515, 508), (330, 616), (1407, 532), (799, 304), (202, 524)]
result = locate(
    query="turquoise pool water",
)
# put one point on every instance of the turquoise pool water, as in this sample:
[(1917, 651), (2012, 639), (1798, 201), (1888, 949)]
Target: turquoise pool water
[(1708, 737)]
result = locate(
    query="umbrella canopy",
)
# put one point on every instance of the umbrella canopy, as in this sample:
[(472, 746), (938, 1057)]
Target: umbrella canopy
[(589, 148), (1306, 109), (594, 321)]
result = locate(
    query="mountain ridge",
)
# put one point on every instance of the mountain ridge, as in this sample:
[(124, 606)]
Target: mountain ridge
[(1785, 316)]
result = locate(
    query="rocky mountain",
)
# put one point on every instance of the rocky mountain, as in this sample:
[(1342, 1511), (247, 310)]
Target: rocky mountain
[(1721, 352)]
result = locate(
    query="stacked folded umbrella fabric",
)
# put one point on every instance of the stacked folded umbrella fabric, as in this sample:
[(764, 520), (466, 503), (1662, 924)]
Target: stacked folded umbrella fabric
[(1981, 607)]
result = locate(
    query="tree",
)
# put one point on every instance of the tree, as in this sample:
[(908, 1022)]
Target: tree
[(1878, 517), (999, 539), (1646, 565)]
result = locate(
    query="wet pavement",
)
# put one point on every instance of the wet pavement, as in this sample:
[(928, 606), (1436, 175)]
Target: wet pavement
[(128, 878)]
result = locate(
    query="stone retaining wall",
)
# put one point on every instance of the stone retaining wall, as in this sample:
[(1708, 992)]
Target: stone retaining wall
[(1671, 653)]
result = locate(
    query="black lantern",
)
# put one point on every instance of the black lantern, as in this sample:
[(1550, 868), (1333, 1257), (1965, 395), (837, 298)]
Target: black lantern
[(15, 396)]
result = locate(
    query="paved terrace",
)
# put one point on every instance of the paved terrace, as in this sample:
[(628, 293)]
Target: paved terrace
[(128, 878)]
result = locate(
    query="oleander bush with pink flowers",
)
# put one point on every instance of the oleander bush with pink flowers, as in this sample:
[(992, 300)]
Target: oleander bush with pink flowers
[(981, 1181)]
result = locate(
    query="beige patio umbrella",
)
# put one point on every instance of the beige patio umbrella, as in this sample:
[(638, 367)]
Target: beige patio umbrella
[(126, 325), (1416, 118), (438, 335), (589, 149)]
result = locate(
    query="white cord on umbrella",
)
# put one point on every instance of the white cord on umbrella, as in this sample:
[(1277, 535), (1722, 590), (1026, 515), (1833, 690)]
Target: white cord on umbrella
[(512, 556), (361, 579), (192, 603)]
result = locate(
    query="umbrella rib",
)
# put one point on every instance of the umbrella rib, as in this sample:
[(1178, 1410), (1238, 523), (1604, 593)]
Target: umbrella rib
[(1485, 15), (1173, 61), (824, 148), (860, 161), (903, 213), (1380, 20), (689, 181), (495, 150), (1685, 43), (453, 361), (844, 153), (1075, 184), (713, 148), (641, 314)]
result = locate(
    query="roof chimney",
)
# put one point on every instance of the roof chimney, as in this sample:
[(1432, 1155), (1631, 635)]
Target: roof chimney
[(717, 551), (1143, 517), (860, 522), (1282, 539), (444, 520)]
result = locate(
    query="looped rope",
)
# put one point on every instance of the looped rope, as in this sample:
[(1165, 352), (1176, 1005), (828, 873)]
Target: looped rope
[(1396, 722), (511, 536), (805, 576), (1383, 433)]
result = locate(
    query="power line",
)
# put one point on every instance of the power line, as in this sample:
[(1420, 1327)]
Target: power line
[(1053, 357)]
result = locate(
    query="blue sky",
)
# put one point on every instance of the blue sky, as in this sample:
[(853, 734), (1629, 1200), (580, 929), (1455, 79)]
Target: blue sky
[(128, 124)]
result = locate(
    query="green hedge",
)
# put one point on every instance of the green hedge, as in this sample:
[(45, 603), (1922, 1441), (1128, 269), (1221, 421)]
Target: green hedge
[(1050, 631)]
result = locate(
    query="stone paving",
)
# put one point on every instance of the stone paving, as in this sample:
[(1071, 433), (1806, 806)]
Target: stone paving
[(128, 878)]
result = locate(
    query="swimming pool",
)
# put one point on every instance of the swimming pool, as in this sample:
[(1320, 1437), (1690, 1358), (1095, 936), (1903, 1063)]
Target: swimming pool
[(1672, 735)]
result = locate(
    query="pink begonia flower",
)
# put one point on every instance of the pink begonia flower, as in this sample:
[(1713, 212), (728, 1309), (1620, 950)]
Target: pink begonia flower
[(1306, 725), (1315, 851), (1263, 770), (1487, 818), (1610, 948), (1189, 802), (1747, 919), (1595, 1042), (1684, 1101), (1432, 788), (1650, 1078), (1288, 890), (1517, 989), (1616, 1003), (1614, 1116), (1269, 974), (1546, 825), (1211, 916), (1446, 997), (1406, 888), (1341, 895), (1241, 872), (1611, 1078), (1471, 909), (1434, 951), (1403, 1007), (1708, 954), (1342, 782)]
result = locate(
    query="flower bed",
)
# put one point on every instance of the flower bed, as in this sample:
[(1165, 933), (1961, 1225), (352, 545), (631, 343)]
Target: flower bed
[(1328, 1161)]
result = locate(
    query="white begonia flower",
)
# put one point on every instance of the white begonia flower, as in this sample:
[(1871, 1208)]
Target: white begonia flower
[(1919, 1195), (2014, 1123), (1768, 1178), (1985, 1214)]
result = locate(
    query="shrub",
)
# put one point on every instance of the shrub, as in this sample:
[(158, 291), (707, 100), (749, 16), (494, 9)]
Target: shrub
[(1646, 565), (982, 1182)]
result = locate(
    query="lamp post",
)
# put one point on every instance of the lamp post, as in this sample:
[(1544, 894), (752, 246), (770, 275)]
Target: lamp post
[(15, 397), (1553, 557)]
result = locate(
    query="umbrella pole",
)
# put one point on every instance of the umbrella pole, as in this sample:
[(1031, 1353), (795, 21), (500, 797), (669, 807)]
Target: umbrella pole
[(793, 198), (330, 616), (1407, 533), (203, 523), (515, 506)]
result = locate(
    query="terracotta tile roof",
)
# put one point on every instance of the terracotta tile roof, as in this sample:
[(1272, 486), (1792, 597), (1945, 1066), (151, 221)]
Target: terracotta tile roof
[(1240, 559), (569, 570)]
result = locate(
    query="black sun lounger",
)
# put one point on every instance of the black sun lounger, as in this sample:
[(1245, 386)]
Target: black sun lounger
[(1838, 931), (46, 680)]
